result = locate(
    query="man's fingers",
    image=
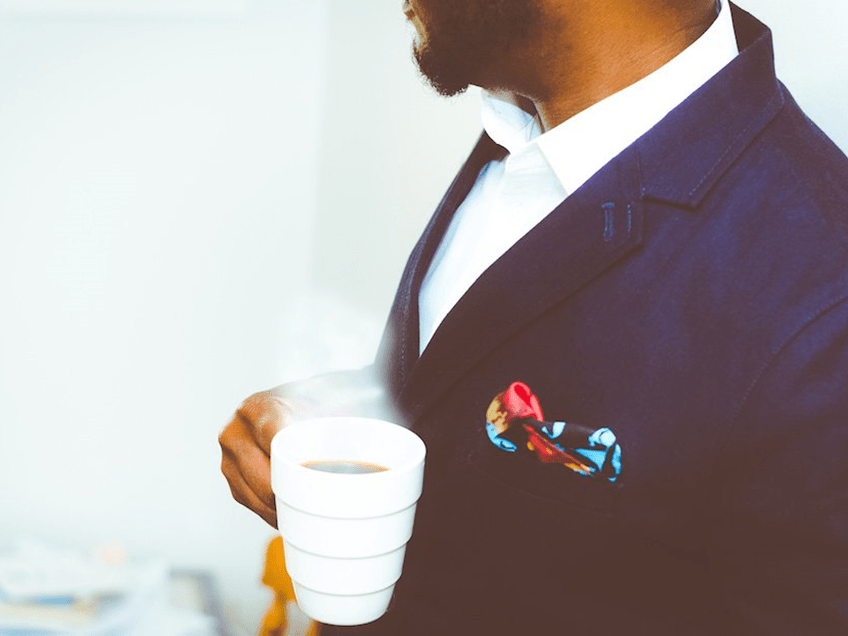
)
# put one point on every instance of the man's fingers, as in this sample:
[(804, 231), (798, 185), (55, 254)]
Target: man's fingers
[(263, 414), (242, 461), (244, 495), (246, 452)]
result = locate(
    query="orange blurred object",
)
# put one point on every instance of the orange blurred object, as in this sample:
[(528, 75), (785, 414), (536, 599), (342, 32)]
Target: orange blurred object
[(275, 621)]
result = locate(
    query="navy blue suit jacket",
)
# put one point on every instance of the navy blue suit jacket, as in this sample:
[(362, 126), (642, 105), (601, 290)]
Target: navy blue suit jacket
[(693, 297)]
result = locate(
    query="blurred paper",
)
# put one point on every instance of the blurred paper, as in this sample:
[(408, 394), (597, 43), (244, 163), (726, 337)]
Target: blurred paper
[(48, 591)]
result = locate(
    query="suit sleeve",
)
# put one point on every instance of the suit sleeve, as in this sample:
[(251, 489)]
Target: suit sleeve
[(780, 533)]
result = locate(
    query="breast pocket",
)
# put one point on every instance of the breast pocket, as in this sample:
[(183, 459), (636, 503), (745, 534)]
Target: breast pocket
[(519, 475)]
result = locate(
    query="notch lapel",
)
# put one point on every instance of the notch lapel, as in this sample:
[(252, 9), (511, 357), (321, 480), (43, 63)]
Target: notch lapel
[(592, 229)]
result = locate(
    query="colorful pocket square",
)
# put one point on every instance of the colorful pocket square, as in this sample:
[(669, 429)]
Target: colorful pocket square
[(515, 423)]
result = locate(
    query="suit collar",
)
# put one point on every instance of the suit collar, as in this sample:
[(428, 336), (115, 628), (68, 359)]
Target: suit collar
[(684, 156)]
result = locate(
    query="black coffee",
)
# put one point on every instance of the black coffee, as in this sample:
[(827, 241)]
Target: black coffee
[(344, 466)]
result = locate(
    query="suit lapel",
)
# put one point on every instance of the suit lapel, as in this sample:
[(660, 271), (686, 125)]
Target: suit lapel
[(398, 351), (592, 229)]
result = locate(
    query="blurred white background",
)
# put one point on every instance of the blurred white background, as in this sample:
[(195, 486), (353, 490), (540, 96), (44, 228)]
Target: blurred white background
[(203, 199)]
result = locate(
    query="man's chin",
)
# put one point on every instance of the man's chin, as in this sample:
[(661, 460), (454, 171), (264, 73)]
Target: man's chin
[(445, 78)]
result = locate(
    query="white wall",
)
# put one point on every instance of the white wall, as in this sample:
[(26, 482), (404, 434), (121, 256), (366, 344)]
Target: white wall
[(170, 190), (390, 148), (157, 192), (160, 186)]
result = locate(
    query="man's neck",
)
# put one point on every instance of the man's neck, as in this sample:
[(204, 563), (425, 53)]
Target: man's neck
[(574, 65)]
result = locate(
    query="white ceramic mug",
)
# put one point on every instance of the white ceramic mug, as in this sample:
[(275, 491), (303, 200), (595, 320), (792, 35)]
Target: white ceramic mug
[(344, 535)]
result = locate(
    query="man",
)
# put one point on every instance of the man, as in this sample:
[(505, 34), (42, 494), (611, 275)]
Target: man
[(652, 240)]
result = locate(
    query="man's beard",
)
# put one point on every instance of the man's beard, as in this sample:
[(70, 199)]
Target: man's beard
[(465, 38)]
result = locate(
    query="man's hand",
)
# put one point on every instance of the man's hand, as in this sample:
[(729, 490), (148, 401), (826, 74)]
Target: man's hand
[(246, 439), (246, 451)]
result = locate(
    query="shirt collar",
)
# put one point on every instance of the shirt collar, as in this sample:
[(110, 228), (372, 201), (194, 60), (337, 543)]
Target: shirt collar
[(581, 145)]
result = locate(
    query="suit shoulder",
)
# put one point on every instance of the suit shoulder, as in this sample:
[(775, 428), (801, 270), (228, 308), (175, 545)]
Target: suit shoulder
[(793, 173)]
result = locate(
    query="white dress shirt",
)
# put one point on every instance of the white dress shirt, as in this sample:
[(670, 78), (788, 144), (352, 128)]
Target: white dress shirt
[(512, 195)]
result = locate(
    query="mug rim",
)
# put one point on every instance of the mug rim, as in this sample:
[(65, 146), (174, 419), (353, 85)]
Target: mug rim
[(416, 448)]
